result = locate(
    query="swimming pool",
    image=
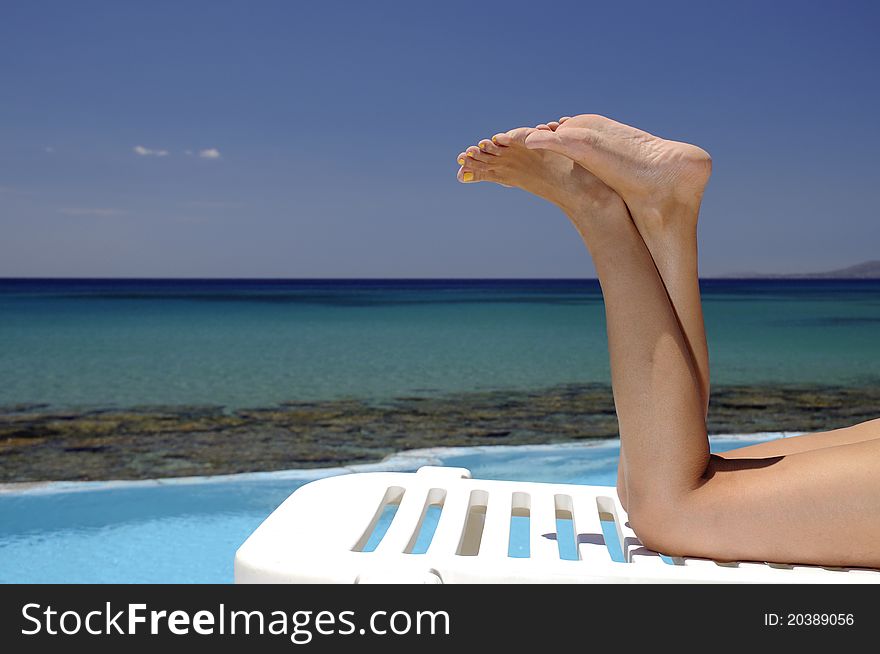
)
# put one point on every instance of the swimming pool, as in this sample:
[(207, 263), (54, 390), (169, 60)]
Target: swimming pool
[(187, 531)]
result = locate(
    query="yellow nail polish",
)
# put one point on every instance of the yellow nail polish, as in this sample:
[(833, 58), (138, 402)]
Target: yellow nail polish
[(494, 141), (460, 161), (470, 154), (468, 177), (482, 146)]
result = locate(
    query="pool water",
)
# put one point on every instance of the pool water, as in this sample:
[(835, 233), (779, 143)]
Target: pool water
[(187, 531)]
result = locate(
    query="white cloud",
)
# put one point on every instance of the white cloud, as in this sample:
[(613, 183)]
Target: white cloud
[(206, 153), (88, 211), (147, 152)]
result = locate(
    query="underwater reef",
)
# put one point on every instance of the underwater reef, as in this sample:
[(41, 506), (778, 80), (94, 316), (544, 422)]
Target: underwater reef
[(42, 443)]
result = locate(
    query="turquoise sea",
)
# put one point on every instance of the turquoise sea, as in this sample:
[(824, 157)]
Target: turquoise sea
[(246, 343)]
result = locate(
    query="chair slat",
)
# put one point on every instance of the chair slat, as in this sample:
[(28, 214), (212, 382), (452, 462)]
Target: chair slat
[(451, 523), (542, 542), (496, 532), (588, 530), (402, 528)]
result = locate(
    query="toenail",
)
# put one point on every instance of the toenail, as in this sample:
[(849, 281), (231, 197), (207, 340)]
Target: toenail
[(460, 161), (470, 154), (482, 146), (467, 177), (494, 140)]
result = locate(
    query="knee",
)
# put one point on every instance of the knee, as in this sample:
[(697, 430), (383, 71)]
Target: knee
[(659, 523), (621, 494)]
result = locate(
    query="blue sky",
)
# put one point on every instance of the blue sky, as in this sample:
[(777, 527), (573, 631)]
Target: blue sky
[(318, 139)]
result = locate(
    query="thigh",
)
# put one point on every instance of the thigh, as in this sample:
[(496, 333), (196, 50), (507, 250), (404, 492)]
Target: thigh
[(821, 506), (796, 444)]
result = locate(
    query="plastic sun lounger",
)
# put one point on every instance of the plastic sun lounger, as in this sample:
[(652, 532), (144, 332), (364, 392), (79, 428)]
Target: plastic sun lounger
[(326, 532)]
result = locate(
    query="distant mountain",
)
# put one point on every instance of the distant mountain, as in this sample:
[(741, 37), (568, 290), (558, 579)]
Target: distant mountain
[(866, 270)]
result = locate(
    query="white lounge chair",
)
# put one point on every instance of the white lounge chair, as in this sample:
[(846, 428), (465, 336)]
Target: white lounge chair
[(327, 532)]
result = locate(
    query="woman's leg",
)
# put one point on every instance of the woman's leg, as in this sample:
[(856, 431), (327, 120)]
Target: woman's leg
[(657, 387), (820, 506), (673, 247)]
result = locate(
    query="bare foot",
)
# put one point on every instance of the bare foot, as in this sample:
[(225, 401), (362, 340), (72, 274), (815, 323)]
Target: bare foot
[(506, 160), (652, 175)]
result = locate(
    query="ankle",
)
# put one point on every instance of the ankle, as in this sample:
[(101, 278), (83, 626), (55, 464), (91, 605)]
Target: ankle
[(609, 236), (660, 215), (598, 213)]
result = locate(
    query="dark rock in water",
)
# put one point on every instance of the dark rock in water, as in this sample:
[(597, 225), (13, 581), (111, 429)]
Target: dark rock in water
[(495, 434), (40, 443)]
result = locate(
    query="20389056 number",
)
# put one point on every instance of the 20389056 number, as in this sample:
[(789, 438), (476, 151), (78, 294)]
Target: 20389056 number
[(820, 619)]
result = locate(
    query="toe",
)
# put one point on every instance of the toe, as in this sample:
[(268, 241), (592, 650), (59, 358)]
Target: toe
[(553, 124), (563, 119), (474, 153), (485, 173), (573, 142), (518, 136), (467, 174), (488, 147), (473, 170), (460, 159), (501, 139), (542, 140), (543, 126)]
